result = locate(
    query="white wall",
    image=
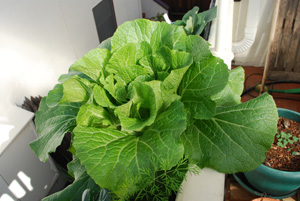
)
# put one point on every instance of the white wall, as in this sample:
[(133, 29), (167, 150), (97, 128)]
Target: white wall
[(126, 10), (39, 40), (151, 8), (255, 56)]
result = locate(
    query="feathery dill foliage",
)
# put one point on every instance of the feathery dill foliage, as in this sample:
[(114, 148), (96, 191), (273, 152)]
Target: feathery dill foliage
[(164, 183)]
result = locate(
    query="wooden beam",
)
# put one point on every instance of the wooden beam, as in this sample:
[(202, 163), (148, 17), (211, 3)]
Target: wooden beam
[(284, 76)]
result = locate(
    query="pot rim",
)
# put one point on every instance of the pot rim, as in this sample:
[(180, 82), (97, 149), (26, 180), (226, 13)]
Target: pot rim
[(289, 111), (266, 168)]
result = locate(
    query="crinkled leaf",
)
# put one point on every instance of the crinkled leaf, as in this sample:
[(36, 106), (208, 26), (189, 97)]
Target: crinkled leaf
[(132, 32), (231, 94), (167, 35), (102, 97), (174, 59), (236, 139), (152, 63), (114, 88), (94, 116), (127, 73), (174, 62), (180, 59), (165, 96), (155, 33), (123, 62), (130, 54), (173, 80), (198, 48), (92, 63), (112, 157), (51, 125), (141, 110)]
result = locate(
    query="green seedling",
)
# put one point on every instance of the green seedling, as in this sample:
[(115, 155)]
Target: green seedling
[(285, 138)]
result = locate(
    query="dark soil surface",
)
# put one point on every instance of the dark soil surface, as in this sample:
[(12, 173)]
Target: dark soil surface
[(287, 158)]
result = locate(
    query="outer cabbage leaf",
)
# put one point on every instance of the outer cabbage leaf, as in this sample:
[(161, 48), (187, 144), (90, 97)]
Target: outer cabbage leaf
[(92, 195), (92, 63), (71, 74), (55, 95), (236, 138), (77, 190), (198, 48), (207, 76), (74, 87), (51, 125), (231, 94), (75, 169), (201, 81), (115, 158), (74, 90), (74, 191), (106, 44)]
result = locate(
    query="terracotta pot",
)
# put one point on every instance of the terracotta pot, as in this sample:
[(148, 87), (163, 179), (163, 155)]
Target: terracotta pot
[(264, 199)]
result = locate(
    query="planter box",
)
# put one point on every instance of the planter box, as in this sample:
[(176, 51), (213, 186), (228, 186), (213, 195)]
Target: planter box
[(22, 175), (207, 185)]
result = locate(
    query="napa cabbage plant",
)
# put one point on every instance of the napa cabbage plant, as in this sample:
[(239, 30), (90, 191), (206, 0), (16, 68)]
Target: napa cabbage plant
[(194, 22), (144, 103)]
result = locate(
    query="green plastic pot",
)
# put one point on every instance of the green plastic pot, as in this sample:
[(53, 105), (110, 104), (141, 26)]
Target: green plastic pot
[(276, 182)]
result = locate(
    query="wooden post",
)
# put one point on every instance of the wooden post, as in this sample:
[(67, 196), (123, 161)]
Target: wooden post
[(271, 38)]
